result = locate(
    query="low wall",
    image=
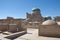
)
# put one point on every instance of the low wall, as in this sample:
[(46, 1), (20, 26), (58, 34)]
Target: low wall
[(32, 25), (12, 28), (3, 27), (49, 30)]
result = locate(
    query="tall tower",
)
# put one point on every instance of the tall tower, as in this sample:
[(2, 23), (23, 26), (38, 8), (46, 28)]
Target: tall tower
[(35, 15)]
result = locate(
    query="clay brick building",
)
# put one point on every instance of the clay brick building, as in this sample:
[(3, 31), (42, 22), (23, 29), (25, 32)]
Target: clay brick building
[(33, 19), (46, 25), (10, 24), (49, 28), (35, 15)]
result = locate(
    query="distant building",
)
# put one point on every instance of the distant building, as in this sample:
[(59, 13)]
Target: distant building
[(35, 15), (48, 17), (57, 18), (10, 24)]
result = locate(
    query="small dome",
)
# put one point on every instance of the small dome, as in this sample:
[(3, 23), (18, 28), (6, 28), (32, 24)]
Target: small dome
[(35, 9), (27, 19), (58, 23), (49, 22)]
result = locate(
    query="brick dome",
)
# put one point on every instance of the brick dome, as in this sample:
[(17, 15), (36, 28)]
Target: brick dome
[(49, 22)]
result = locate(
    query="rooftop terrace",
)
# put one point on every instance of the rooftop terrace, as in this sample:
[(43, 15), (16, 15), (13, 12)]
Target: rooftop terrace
[(32, 34)]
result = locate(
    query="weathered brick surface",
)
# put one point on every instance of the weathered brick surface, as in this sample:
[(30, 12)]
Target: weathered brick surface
[(49, 30)]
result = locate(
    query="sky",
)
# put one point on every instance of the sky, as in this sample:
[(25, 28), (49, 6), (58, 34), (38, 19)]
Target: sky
[(18, 8)]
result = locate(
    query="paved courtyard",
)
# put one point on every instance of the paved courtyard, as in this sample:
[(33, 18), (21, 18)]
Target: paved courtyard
[(32, 34)]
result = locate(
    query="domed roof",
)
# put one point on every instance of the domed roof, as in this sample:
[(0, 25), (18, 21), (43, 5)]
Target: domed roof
[(58, 23), (49, 22), (35, 9), (27, 19)]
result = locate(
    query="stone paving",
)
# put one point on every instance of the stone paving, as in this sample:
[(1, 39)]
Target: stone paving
[(32, 34)]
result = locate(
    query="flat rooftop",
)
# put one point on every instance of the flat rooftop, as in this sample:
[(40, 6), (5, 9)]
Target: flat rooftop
[(32, 34)]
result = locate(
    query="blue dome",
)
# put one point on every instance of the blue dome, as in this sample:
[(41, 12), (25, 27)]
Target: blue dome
[(35, 9)]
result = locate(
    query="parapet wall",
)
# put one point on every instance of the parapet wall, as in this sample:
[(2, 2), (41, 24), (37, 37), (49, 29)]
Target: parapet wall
[(31, 25)]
